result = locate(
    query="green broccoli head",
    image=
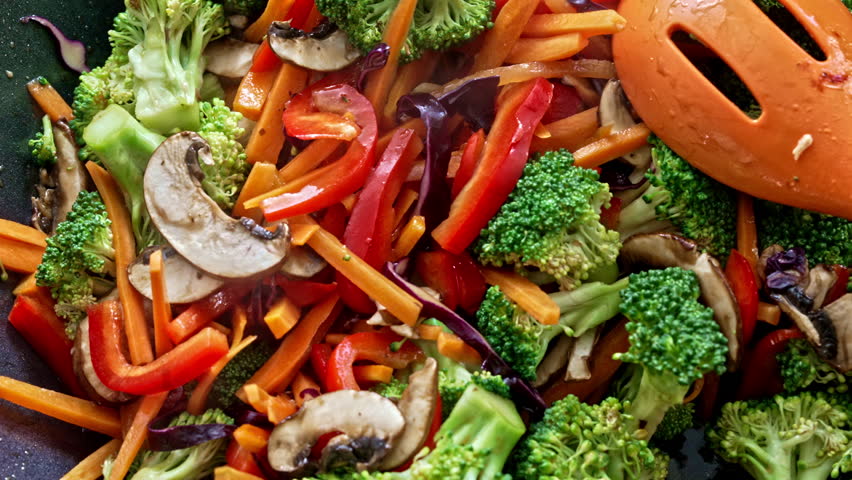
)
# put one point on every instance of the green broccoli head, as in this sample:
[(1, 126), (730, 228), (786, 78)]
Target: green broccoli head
[(237, 372), (551, 222), (392, 389), (826, 239), (576, 440), (803, 436), (42, 144), (802, 368), (225, 176), (248, 8), (677, 420), (79, 259), (672, 337)]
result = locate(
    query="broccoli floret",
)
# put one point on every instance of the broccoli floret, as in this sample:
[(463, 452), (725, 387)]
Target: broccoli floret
[(79, 259), (237, 372), (802, 368), (576, 440), (551, 222), (523, 341), (826, 239), (225, 176), (43, 146), (804, 436), (124, 146), (677, 420), (248, 8), (682, 198), (673, 338), (193, 463), (392, 389)]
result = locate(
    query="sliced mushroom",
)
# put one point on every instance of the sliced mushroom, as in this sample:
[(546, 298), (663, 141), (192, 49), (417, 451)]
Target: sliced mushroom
[(184, 282), (615, 111), (417, 404), (820, 281), (325, 49), (555, 359), (193, 223), (82, 363), (303, 262), (578, 363), (229, 57), (667, 250), (367, 421), (837, 318)]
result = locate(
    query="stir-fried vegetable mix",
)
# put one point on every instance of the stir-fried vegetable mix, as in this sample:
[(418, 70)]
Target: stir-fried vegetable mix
[(412, 239)]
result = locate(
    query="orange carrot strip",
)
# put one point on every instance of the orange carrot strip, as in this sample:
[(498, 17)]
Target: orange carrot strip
[(91, 467), (22, 233), (149, 407), (529, 296), (400, 304), (500, 40), (304, 388), (769, 313), (308, 159), (302, 227), (412, 123), (198, 401), (569, 133), (349, 201), (160, 304), (239, 320), (73, 410), (559, 6), (372, 373), (403, 202), (262, 178), (429, 332), (582, 68), (27, 287), (451, 346), (135, 324), (612, 146), (410, 75), (696, 388), (599, 22), (253, 91), (282, 317), (294, 350), (747, 230), (396, 31), (231, 473), (49, 100), (251, 438), (267, 138), (20, 257), (544, 49), (276, 407), (411, 234), (275, 10), (335, 338)]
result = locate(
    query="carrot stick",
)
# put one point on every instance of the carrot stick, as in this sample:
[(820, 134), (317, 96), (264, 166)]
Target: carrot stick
[(557, 47), (135, 324), (22, 233), (149, 407), (252, 93), (404, 201), (372, 373), (262, 178), (73, 410), (282, 317), (529, 296), (202, 312), (267, 138), (294, 350), (411, 234), (276, 407), (308, 159), (302, 227), (410, 75), (400, 304), (231, 473), (769, 313), (747, 230), (304, 388), (451, 346), (599, 22), (160, 304), (396, 31), (612, 146), (500, 40), (569, 133), (19, 256), (413, 124), (251, 438), (559, 6), (49, 100), (198, 401), (91, 468), (275, 10)]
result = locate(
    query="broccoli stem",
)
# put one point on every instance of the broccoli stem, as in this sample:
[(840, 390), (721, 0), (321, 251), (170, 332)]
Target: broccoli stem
[(656, 394)]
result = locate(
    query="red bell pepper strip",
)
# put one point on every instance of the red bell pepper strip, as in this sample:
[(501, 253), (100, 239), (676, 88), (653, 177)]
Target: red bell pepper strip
[(503, 159), (761, 375), (609, 216), (566, 102), (705, 406), (43, 330), (299, 12), (320, 356), (178, 366), (742, 281), (368, 233), (334, 220), (839, 288), (304, 292), (330, 184), (241, 459), (455, 277), (469, 159), (265, 60), (202, 312), (372, 346)]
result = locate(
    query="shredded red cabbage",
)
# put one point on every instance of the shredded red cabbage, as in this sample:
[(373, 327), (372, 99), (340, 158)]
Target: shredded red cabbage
[(586, 5), (376, 59), (786, 269), (73, 52), (185, 436)]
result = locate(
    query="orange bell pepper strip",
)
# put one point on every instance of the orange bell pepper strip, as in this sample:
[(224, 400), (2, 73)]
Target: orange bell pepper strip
[(373, 346)]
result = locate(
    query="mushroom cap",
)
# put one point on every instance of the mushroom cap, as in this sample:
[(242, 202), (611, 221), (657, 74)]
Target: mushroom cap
[(323, 50), (184, 282)]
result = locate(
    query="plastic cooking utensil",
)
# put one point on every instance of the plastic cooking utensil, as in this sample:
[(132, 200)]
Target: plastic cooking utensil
[(799, 151)]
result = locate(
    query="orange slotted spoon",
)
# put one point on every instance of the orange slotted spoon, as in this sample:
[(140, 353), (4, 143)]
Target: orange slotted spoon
[(799, 151)]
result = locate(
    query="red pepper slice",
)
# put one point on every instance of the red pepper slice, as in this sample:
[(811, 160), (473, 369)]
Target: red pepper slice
[(330, 184), (44, 331), (202, 312), (706, 403), (320, 355), (742, 281), (182, 364), (503, 160), (241, 459), (455, 277), (299, 12), (304, 292), (470, 157), (609, 216), (566, 102), (334, 220), (761, 375), (839, 288), (372, 346), (368, 233), (265, 59)]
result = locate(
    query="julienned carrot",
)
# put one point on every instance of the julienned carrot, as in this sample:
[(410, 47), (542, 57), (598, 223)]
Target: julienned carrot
[(599, 22), (529, 296), (372, 373), (410, 75), (160, 304), (559, 6), (304, 388), (500, 40), (19, 256), (282, 317), (49, 100), (251, 438), (451, 346), (747, 230), (231, 473), (267, 138), (276, 407), (149, 407), (400, 304), (411, 234), (252, 93), (429, 332), (769, 313), (557, 47), (413, 124), (22, 233), (612, 146), (308, 159), (73, 410), (202, 312), (570, 132), (275, 10), (135, 325), (262, 178), (396, 31), (302, 227), (91, 467), (198, 401), (294, 350), (403, 202)]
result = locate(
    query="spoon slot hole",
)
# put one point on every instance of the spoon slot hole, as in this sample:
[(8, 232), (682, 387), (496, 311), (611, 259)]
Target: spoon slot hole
[(789, 24)]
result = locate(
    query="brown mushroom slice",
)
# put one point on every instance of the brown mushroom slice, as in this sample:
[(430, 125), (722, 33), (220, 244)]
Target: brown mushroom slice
[(667, 250), (799, 318), (838, 315), (555, 359), (69, 175), (229, 57), (85, 370), (368, 422), (820, 281), (193, 223), (325, 49), (184, 282), (417, 404), (303, 262), (615, 112), (578, 363)]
